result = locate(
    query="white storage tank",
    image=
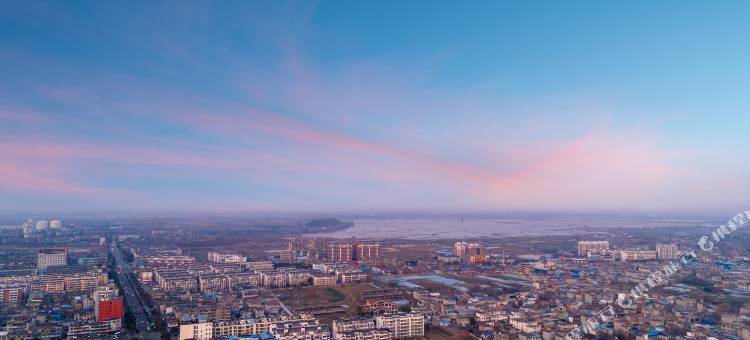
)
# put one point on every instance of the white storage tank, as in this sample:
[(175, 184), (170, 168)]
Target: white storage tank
[(55, 224), (42, 225)]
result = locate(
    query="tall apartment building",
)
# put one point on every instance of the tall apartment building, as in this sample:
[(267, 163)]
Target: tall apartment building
[(471, 252), (667, 251), (366, 252), (107, 305), (402, 325), (459, 248), (105, 292), (50, 258), (348, 252), (109, 309), (585, 246), (225, 257), (341, 252)]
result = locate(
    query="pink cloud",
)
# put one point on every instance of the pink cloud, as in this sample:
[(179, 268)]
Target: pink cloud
[(59, 158), (21, 115), (606, 167), (595, 170), (20, 176), (331, 141)]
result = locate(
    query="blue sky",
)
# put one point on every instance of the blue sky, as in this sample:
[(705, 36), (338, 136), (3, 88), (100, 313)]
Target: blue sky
[(328, 106)]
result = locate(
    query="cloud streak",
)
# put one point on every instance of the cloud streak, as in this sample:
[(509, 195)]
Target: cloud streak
[(289, 116)]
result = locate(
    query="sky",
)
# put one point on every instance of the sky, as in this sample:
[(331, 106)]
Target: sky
[(584, 106)]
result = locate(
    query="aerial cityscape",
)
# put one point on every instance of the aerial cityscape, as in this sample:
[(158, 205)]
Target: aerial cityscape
[(331, 170)]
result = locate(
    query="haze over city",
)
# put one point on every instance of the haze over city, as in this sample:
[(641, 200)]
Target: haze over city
[(370, 106)]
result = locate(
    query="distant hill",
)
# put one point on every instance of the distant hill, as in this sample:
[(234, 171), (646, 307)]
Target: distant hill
[(327, 224)]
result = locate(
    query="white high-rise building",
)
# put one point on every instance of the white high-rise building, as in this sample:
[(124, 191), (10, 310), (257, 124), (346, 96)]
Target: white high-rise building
[(50, 258), (585, 246), (26, 230), (667, 251)]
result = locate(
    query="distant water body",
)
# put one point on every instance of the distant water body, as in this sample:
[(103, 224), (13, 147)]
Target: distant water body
[(442, 228)]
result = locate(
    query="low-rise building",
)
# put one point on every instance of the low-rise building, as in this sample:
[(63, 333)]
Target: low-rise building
[(196, 331), (323, 279), (95, 328), (346, 325), (351, 276), (636, 255), (225, 257), (402, 324), (258, 265), (366, 334)]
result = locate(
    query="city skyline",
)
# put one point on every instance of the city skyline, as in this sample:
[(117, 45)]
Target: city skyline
[(302, 106)]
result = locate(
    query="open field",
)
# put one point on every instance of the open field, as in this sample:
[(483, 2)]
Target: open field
[(346, 297), (312, 295), (437, 334)]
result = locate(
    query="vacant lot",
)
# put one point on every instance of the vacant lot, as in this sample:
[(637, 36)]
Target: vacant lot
[(311, 296), (438, 334), (318, 295)]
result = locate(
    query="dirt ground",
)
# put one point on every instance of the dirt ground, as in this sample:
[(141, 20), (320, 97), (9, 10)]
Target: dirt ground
[(321, 295)]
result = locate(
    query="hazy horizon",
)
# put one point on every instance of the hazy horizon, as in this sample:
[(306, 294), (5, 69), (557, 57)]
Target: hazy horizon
[(359, 214)]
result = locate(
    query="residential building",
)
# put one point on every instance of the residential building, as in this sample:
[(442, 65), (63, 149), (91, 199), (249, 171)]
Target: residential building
[(95, 329), (366, 252), (341, 252), (366, 334), (323, 279), (241, 327), (351, 276), (585, 246), (636, 255), (402, 324), (196, 331), (109, 309), (11, 293), (225, 257), (50, 258), (471, 252), (667, 251), (258, 265), (379, 306), (346, 325)]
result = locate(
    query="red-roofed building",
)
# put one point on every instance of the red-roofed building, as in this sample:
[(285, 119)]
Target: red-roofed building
[(109, 309)]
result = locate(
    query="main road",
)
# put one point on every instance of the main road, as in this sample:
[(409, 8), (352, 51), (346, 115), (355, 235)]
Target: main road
[(132, 299)]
